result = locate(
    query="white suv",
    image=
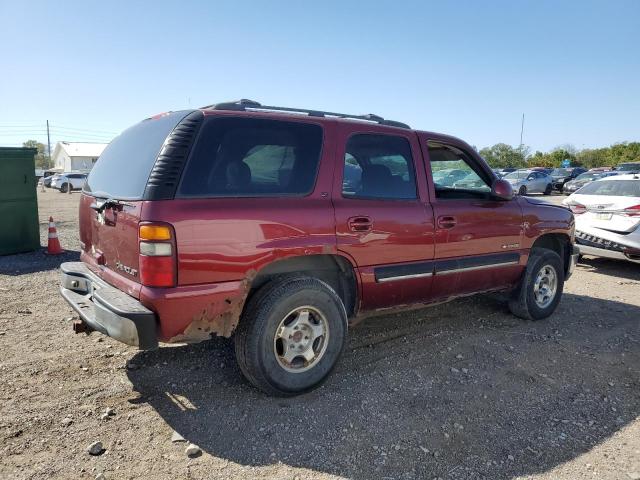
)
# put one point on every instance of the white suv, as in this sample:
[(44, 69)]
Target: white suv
[(66, 181)]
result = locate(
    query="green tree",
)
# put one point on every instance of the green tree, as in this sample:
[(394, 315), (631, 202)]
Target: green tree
[(502, 155), (42, 157)]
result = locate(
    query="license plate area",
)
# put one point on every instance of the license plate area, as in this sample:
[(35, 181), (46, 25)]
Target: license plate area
[(603, 216)]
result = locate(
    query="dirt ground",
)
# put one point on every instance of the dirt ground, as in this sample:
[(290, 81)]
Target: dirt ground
[(462, 390)]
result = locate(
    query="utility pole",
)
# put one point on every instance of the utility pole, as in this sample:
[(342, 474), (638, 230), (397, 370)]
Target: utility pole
[(521, 131), (49, 144)]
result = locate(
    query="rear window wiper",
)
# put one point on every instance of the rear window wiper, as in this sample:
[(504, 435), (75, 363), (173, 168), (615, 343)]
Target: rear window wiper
[(100, 204)]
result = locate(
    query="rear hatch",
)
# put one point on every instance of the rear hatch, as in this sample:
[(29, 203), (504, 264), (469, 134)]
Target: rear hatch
[(113, 198)]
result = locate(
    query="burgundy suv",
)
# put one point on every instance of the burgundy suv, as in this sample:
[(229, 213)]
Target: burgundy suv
[(281, 226)]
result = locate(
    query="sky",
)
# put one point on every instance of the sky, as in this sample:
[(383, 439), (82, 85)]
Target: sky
[(466, 68)]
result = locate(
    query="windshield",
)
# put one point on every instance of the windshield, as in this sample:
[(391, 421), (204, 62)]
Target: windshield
[(613, 188), (516, 175), (123, 169), (588, 176), (560, 172)]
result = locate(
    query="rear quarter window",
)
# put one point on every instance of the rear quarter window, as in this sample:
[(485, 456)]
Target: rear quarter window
[(248, 157)]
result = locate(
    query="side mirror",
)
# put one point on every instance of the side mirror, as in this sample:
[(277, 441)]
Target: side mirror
[(502, 189)]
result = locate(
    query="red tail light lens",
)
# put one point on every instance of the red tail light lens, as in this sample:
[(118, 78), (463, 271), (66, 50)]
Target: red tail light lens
[(157, 260), (577, 208), (632, 211)]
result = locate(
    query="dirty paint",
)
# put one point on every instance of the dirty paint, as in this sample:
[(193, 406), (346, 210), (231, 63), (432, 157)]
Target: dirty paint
[(217, 319)]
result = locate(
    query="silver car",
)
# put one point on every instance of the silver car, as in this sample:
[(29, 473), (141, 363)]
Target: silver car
[(529, 181)]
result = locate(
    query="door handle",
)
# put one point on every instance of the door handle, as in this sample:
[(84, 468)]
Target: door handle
[(360, 224), (446, 222)]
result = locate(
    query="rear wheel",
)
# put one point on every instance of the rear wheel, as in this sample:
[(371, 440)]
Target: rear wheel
[(541, 287), (291, 335), (547, 191), (522, 190), (64, 188)]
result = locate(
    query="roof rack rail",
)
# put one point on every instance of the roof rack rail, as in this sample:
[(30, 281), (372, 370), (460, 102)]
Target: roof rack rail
[(246, 104)]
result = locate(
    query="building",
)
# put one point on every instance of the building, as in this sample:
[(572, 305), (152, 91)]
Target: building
[(69, 156)]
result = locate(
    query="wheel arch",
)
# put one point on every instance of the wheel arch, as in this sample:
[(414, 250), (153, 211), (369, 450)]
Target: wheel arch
[(557, 242), (335, 270)]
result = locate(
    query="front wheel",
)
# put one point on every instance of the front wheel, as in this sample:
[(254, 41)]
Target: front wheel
[(64, 188), (522, 190), (291, 335), (541, 287)]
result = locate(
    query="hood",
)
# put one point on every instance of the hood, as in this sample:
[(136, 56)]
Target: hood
[(560, 177), (545, 203), (577, 183)]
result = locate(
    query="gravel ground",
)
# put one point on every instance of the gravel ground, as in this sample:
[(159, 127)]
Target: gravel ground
[(457, 391)]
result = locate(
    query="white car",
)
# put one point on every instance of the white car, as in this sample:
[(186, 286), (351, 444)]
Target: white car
[(607, 214), (66, 181), (529, 181)]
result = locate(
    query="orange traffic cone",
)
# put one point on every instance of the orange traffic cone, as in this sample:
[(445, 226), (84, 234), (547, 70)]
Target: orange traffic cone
[(53, 247)]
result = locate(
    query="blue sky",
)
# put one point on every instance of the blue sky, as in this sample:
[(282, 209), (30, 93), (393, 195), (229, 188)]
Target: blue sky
[(467, 68)]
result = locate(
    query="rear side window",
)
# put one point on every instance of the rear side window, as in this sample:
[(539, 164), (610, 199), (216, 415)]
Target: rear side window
[(248, 157), (378, 166), (123, 169)]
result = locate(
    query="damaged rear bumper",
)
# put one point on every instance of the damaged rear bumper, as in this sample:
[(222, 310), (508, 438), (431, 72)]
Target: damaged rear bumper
[(106, 309)]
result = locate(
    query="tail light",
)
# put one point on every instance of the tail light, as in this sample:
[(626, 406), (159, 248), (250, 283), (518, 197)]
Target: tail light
[(157, 258), (577, 208), (632, 211)]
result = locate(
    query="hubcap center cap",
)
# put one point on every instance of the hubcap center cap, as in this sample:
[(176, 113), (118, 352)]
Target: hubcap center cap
[(297, 336)]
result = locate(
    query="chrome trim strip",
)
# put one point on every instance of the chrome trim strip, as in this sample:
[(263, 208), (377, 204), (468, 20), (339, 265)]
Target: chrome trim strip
[(478, 267), (405, 277)]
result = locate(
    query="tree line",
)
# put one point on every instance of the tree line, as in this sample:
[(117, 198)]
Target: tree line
[(502, 155)]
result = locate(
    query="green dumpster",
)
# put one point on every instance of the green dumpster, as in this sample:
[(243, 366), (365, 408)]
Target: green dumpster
[(19, 230)]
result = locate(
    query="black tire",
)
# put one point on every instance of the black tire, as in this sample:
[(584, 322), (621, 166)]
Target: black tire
[(64, 187), (523, 301), (547, 191), (255, 337), (522, 190)]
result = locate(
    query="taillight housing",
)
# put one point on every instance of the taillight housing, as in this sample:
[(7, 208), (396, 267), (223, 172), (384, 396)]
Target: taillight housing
[(577, 208), (632, 211), (157, 254)]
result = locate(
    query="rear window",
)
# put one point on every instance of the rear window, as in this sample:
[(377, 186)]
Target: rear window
[(123, 169), (248, 157), (628, 167), (614, 188)]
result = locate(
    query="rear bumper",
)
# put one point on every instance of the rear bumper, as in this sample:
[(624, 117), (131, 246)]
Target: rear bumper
[(602, 252), (106, 309)]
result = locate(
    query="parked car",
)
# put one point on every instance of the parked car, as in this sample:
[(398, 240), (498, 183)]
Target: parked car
[(584, 178), (542, 169), (561, 176), (630, 167), (66, 181), (448, 177), (236, 219), (48, 177), (504, 171), (600, 169), (607, 216), (527, 181)]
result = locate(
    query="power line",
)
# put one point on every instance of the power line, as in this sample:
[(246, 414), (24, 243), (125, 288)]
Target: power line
[(60, 127)]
